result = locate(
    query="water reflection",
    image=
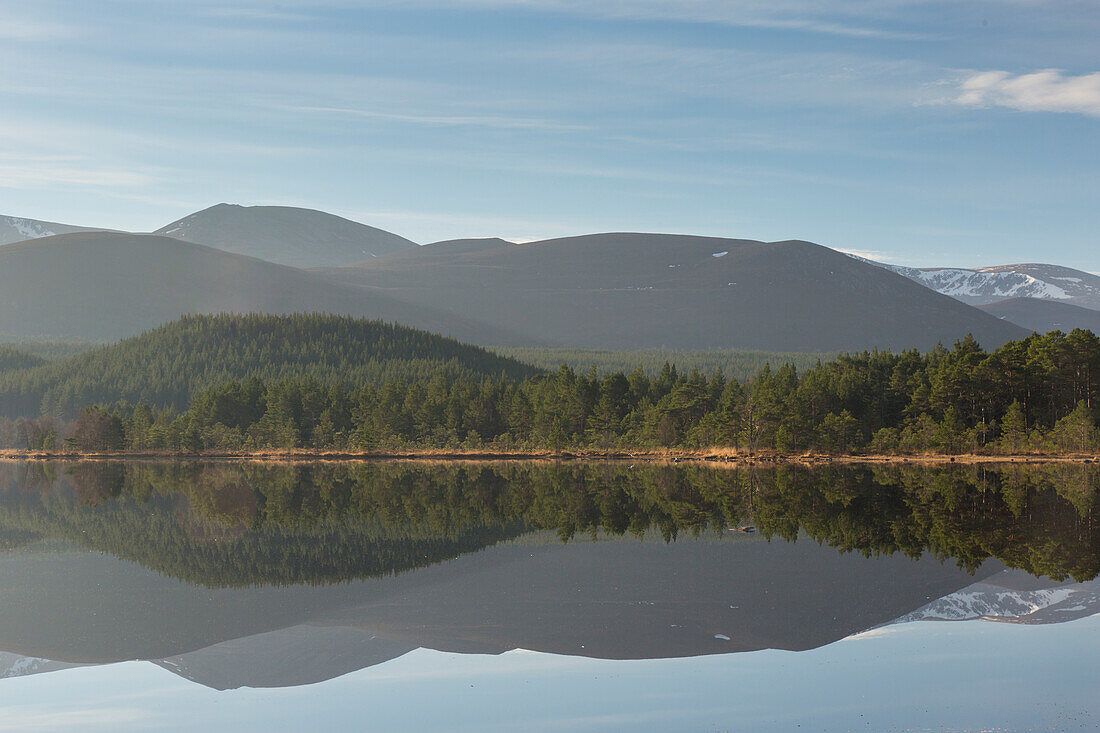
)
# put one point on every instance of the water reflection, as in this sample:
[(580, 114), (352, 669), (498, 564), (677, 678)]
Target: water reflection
[(271, 575)]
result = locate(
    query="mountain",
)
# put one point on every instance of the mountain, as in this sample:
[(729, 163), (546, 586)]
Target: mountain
[(984, 285), (637, 291), (106, 286), (285, 235), (18, 229), (1044, 315), (170, 364)]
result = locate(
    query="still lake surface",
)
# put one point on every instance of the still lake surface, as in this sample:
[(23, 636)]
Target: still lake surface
[(548, 596)]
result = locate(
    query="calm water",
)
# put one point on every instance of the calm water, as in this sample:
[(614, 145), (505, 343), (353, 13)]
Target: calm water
[(542, 596)]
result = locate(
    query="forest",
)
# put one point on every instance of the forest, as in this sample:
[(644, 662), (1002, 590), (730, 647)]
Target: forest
[(1039, 394), (167, 366), (736, 364)]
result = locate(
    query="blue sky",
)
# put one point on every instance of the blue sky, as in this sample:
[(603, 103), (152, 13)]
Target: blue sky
[(925, 133)]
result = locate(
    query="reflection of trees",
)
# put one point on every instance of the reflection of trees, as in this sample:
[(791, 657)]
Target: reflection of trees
[(262, 523)]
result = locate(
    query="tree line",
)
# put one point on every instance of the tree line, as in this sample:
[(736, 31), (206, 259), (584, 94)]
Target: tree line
[(1041, 393)]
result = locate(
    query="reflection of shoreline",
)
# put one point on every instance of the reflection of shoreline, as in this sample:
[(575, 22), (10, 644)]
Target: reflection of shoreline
[(712, 457)]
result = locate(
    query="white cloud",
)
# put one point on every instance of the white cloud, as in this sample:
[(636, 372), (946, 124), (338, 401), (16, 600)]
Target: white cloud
[(1049, 90)]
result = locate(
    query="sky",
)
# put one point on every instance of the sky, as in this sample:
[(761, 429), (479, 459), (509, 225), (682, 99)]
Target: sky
[(953, 133)]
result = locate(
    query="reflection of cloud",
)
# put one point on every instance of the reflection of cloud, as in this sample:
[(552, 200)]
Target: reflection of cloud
[(30, 718), (1049, 90)]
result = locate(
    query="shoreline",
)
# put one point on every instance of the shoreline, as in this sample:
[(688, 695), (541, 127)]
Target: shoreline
[(718, 457)]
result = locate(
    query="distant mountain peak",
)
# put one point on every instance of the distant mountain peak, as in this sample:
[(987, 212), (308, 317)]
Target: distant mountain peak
[(19, 229), (285, 235), (985, 285)]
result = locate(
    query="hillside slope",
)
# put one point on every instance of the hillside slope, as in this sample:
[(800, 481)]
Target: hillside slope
[(638, 291), (168, 365), (285, 235), (1042, 315), (103, 286)]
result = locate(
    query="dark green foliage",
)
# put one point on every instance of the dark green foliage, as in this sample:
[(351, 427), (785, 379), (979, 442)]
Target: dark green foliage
[(169, 365), (51, 350), (1038, 394), (945, 401), (12, 359), (733, 363)]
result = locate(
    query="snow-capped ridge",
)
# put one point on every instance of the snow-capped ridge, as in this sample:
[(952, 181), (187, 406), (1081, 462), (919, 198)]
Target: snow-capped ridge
[(984, 285)]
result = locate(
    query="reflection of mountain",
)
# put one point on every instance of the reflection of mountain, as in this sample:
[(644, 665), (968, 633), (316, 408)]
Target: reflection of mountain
[(611, 599), (16, 665), (277, 575), (297, 655), (1014, 597)]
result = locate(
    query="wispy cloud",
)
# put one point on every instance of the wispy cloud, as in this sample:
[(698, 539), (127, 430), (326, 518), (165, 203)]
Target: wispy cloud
[(1049, 90), (23, 29), (515, 123), (50, 171)]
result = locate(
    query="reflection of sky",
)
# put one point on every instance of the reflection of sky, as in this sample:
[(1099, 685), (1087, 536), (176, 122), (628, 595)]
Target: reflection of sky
[(971, 675)]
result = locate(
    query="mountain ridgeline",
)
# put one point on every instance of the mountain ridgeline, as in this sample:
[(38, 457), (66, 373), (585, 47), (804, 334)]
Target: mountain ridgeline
[(622, 291), (18, 229), (644, 291), (167, 366), (107, 286)]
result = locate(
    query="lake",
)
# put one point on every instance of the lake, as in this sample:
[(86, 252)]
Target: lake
[(548, 596)]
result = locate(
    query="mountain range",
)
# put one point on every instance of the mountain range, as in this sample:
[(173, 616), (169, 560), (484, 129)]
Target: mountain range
[(611, 291), (105, 286)]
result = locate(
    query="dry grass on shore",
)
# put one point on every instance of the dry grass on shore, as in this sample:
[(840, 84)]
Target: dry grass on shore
[(714, 455)]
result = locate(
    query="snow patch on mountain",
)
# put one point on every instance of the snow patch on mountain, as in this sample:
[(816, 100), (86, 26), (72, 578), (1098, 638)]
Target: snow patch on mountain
[(17, 229)]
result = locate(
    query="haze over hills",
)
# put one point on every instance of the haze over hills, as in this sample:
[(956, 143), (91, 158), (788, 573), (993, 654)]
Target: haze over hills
[(636, 291), (285, 235), (1043, 315), (106, 286), (18, 229), (984, 285)]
